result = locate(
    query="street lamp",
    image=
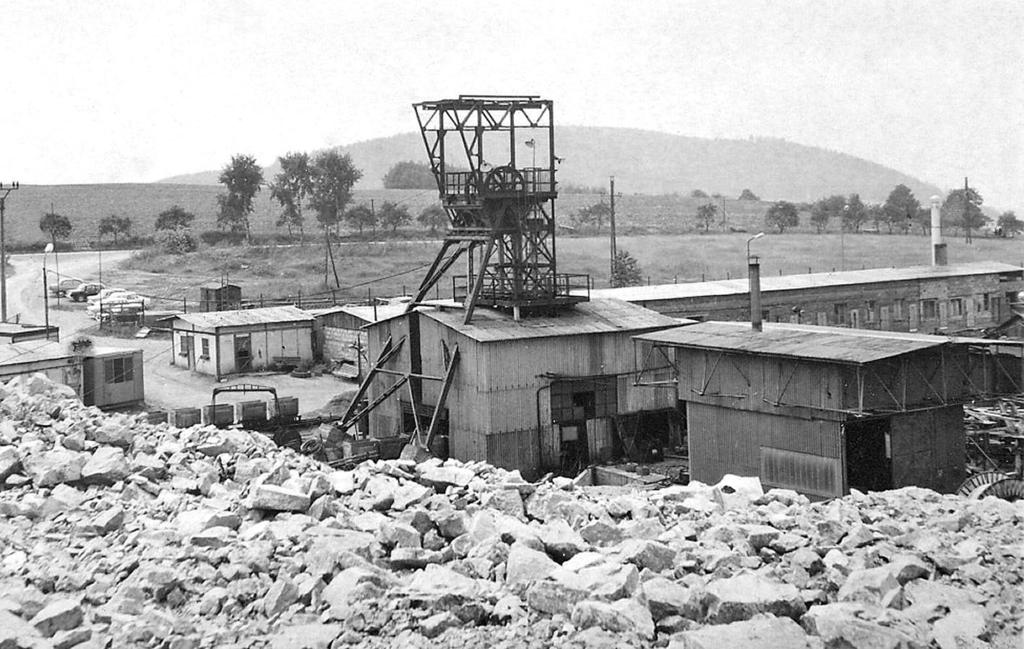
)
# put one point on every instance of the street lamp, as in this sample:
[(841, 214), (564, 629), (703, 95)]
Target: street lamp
[(532, 143), (842, 236), (756, 236), (4, 193), (46, 292)]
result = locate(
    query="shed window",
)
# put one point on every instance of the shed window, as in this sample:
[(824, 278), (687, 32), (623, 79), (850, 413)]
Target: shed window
[(183, 351), (984, 303), (897, 309), (929, 309), (839, 312), (206, 348), (118, 370), (956, 307), (871, 310)]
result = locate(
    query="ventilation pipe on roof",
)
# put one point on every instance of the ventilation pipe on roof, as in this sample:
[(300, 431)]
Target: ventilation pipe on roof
[(754, 285), (938, 247), (754, 273)]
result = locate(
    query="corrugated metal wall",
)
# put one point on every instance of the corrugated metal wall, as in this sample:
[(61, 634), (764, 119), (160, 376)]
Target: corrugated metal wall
[(928, 449), (724, 440)]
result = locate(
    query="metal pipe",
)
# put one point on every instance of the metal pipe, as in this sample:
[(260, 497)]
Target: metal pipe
[(754, 285), (938, 248)]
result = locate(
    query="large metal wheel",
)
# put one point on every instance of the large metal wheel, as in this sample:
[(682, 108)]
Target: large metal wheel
[(504, 180), (978, 481), (1010, 489)]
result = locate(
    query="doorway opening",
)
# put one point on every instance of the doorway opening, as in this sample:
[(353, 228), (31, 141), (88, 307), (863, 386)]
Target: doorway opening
[(243, 354), (868, 454)]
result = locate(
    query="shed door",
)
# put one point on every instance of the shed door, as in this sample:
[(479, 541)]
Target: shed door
[(243, 353)]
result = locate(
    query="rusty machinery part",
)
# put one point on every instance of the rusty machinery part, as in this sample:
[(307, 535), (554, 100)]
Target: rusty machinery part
[(504, 180), (1010, 489), (312, 447), (970, 485)]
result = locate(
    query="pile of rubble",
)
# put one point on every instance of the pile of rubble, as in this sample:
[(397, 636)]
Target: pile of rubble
[(117, 533)]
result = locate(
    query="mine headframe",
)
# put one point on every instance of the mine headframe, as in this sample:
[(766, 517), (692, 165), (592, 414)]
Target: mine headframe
[(493, 158)]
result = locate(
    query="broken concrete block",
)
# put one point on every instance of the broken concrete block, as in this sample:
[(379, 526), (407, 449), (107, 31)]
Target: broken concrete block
[(282, 594), (666, 597), (107, 465), (54, 467), (58, 615), (746, 595), (277, 499), (762, 632), (526, 564)]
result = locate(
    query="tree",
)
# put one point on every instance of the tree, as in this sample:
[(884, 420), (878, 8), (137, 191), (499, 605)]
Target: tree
[(626, 270), (900, 208), (333, 177), (410, 175), (173, 218), (825, 209), (434, 217), (747, 195), (1009, 224), (923, 218), (876, 214), (699, 193), (782, 215), (56, 225), (242, 178), (963, 208), (361, 216), (115, 225), (290, 188), (393, 215), (593, 215), (706, 216), (854, 213)]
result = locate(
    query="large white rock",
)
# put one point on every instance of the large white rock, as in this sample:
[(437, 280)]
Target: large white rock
[(107, 465), (278, 499), (747, 594), (527, 564), (54, 467), (762, 632)]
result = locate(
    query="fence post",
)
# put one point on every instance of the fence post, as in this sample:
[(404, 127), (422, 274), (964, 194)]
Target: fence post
[(299, 298)]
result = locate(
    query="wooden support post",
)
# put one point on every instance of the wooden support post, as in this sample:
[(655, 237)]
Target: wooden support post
[(386, 353), (435, 419), (479, 283)]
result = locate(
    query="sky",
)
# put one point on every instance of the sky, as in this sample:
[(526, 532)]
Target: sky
[(136, 91)]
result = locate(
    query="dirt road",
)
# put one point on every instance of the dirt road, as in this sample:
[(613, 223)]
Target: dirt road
[(166, 386)]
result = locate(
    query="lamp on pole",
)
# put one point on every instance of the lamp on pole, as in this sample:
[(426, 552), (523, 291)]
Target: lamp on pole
[(46, 292), (842, 236), (756, 236), (532, 143), (4, 192)]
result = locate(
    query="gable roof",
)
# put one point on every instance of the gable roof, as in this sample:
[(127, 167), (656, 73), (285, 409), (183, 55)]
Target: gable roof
[(810, 342), (593, 317), (242, 317), (771, 284)]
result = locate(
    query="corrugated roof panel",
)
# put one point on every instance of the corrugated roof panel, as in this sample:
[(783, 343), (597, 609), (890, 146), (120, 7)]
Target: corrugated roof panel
[(800, 341), (241, 317), (800, 282), (593, 317)]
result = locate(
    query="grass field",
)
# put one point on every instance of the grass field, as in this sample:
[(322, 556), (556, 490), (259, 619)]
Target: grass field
[(85, 205), (381, 267)]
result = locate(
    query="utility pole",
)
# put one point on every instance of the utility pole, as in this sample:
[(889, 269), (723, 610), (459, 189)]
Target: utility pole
[(611, 224), (4, 193), (967, 217)]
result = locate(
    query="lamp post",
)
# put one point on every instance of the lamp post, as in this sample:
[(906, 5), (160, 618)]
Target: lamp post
[(532, 143), (46, 292), (4, 193), (842, 236), (756, 236)]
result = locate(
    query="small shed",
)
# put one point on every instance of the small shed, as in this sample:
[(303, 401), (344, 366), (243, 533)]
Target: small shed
[(49, 358), (547, 392), (823, 410), (243, 340), (219, 296), (112, 377), (13, 332)]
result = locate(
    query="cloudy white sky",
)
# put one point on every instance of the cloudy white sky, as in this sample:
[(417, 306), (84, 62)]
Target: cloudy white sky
[(135, 91)]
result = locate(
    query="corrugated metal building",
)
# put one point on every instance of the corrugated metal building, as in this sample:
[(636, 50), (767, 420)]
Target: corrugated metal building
[(107, 377), (339, 330), (217, 296), (234, 342), (542, 393), (926, 299), (825, 409)]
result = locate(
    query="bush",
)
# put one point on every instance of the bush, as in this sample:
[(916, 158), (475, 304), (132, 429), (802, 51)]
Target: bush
[(222, 237), (177, 242)]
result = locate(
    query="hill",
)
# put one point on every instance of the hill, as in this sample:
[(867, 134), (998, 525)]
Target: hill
[(650, 162)]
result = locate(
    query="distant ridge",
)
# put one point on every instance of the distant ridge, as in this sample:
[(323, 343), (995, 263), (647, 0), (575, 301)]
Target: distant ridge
[(650, 162)]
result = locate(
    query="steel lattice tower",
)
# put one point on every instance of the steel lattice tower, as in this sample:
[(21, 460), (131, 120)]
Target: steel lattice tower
[(501, 211)]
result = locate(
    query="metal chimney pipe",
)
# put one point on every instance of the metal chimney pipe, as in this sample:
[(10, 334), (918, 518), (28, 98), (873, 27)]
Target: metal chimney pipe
[(754, 275), (938, 247)]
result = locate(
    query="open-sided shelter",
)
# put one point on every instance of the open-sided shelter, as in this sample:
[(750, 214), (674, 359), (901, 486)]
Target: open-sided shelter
[(823, 410)]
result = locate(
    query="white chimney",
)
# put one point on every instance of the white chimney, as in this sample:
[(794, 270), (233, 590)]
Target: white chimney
[(938, 248)]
